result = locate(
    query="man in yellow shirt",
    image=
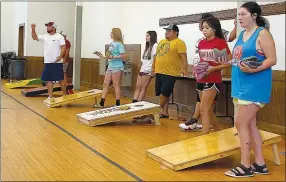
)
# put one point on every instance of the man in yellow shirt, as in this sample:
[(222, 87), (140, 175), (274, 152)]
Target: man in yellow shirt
[(170, 62)]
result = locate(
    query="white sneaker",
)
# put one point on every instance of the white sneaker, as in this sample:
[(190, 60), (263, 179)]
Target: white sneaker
[(49, 100), (190, 127)]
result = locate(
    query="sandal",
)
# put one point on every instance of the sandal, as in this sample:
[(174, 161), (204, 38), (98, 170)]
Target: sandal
[(259, 169), (163, 116), (235, 172)]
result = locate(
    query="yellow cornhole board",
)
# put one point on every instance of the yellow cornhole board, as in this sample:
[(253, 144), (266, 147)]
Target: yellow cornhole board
[(206, 148), (23, 83), (117, 113), (74, 97)]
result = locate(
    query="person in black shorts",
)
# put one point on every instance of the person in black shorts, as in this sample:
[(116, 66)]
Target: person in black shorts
[(229, 37), (169, 63)]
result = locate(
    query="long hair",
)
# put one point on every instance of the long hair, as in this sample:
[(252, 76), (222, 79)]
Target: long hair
[(149, 45), (254, 9), (117, 35), (214, 23)]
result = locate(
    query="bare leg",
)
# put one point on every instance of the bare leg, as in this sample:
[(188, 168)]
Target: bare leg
[(164, 103), (50, 88), (244, 116), (206, 110), (106, 83), (197, 111), (257, 143), (138, 88), (66, 78), (116, 78), (145, 82), (63, 86)]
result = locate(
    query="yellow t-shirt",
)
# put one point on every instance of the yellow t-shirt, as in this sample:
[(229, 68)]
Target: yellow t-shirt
[(168, 60)]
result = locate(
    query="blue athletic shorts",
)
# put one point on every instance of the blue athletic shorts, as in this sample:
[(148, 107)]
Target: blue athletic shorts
[(53, 72)]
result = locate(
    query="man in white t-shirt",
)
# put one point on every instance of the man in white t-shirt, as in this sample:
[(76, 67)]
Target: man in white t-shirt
[(54, 50)]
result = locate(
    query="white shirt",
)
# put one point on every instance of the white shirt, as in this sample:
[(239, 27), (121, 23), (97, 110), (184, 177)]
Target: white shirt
[(146, 63), (52, 46)]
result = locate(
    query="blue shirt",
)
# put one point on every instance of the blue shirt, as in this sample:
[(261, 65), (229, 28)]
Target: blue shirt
[(254, 87), (115, 49)]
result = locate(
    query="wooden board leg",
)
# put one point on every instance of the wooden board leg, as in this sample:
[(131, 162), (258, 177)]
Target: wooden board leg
[(276, 155), (157, 119)]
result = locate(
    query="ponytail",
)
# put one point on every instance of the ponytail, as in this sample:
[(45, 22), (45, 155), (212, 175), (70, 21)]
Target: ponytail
[(260, 21)]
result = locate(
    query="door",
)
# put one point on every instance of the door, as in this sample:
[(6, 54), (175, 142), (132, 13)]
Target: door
[(21, 40)]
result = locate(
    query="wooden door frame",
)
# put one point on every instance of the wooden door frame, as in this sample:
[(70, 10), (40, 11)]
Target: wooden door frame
[(21, 41)]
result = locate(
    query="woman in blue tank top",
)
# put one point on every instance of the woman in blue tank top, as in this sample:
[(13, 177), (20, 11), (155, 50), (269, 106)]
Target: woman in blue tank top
[(251, 88)]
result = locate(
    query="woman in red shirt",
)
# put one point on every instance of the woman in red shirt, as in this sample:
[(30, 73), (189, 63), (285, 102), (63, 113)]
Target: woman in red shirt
[(208, 86)]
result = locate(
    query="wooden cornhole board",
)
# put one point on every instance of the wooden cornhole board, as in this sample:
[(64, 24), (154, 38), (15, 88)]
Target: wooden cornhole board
[(42, 90), (206, 148), (74, 97), (23, 83), (117, 113)]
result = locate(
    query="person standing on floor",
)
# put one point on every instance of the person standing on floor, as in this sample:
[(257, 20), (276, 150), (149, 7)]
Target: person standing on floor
[(229, 37), (208, 86), (54, 50), (67, 56), (251, 88), (145, 74), (116, 55), (170, 62)]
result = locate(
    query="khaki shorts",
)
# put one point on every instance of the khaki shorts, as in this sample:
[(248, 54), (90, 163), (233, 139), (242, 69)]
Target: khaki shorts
[(237, 102), (65, 66)]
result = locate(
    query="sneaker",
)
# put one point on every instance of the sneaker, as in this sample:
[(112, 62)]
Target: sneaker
[(49, 100), (97, 106), (189, 125)]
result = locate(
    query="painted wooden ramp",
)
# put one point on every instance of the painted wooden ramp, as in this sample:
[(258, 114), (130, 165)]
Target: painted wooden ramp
[(206, 148), (74, 98), (23, 83), (117, 113)]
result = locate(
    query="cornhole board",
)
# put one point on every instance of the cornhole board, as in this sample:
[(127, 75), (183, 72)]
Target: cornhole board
[(206, 148), (42, 90), (118, 113), (74, 97), (23, 83)]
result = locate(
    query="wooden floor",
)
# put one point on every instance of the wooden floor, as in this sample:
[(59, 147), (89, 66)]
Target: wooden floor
[(41, 143)]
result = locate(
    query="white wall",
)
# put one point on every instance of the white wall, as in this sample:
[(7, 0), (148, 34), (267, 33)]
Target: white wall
[(62, 13), (97, 21), (12, 15), (20, 15), (7, 27), (277, 29), (135, 27), (133, 19)]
